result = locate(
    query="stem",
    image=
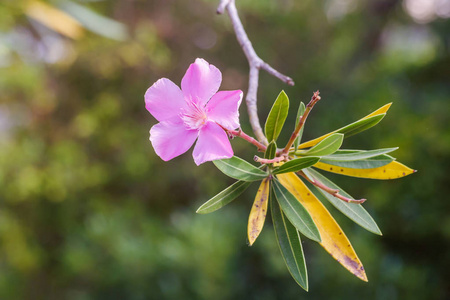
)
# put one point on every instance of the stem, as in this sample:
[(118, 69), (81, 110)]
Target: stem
[(331, 191), (269, 161), (239, 133), (314, 99), (255, 64)]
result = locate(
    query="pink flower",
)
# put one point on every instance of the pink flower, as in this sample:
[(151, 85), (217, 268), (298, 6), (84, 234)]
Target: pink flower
[(195, 111)]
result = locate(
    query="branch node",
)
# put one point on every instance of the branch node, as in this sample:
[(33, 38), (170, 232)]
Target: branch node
[(255, 64)]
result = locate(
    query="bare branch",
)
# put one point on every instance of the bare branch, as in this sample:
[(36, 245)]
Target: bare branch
[(222, 5), (255, 64)]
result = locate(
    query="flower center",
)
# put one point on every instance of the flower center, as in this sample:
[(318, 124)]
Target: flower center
[(194, 116)]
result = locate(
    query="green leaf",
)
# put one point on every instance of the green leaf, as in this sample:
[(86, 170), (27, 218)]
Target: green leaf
[(327, 146), (354, 211), (369, 163), (296, 213), (355, 127), (300, 112), (224, 197), (290, 245), (360, 125), (271, 150), (297, 164), (358, 155), (277, 116), (239, 169)]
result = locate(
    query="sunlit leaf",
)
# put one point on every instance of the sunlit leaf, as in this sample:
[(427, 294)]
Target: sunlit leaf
[(54, 19), (295, 212), (358, 126), (224, 197), (238, 168), (369, 163), (95, 22), (358, 155), (300, 112), (327, 146), (290, 245), (354, 211), (277, 116), (258, 213), (381, 110), (358, 159), (297, 164), (271, 150), (333, 238), (390, 171)]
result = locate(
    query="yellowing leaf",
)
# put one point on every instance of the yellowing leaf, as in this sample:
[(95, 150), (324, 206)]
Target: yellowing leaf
[(54, 19), (392, 170), (333, 238), (380, 111), (258, 213)]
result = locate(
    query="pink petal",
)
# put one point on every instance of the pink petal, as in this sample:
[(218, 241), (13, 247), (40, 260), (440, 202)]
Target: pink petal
[(164, 99), (212, 144), (201, 81), (223, 108), (171, 138)]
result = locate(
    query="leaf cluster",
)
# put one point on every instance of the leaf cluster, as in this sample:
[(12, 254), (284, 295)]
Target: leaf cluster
[(296, 209)]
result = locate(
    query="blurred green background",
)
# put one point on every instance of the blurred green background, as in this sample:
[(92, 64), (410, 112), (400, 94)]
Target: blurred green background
[(88, 211)]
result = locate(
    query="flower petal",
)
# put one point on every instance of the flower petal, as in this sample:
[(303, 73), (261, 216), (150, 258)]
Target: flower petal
[(212, 144), (171, 138), (201, 81), (223, 108), (164, 100)]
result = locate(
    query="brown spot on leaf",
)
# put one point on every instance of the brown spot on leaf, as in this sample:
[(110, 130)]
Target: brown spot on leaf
[(354, 267)]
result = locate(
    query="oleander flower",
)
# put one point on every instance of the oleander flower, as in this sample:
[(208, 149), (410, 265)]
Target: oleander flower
[(197, 111)]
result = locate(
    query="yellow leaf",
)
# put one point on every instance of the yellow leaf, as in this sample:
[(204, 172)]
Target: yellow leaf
[(54, 19), (392, 170), (258, 212), (333, 238), (381, 110)]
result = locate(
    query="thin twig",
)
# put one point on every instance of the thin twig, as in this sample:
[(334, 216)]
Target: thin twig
[(255, 64), (239, 133), (314, 99), (269, 161), (331, 191)]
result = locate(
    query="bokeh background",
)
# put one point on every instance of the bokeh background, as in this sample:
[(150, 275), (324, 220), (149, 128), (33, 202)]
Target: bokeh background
[(88, 211)]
